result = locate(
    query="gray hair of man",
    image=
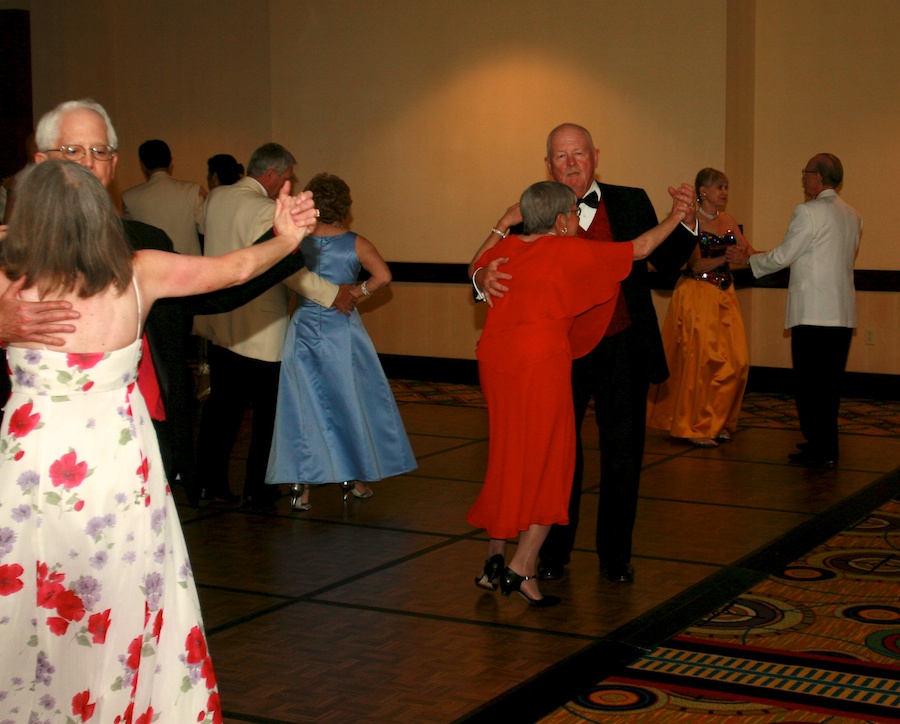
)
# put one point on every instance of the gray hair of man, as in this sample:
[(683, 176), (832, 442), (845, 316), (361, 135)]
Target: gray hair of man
[(46, 135), (830, 168), (270, 156), (542, 202)]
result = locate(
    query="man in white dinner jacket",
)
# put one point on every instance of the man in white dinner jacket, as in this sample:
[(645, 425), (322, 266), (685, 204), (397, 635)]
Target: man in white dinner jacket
[(820, 247)]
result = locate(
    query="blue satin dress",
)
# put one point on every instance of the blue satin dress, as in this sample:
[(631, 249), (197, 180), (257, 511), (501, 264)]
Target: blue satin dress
[(336, 419)]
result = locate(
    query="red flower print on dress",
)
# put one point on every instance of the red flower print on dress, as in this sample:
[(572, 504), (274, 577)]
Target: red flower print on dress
[(195, 645), (10, 582), (157, 625), (68, 472), (48, 592), (134, 654), (127, 716), (214, 706), (207, 672), (146, 717), (87, 385), (57, 625), (98, 625), (84, 361), (81, 705), (144, 469), (70, 606), (21, 422)]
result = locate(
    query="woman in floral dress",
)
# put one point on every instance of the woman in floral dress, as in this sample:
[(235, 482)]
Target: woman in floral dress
[(99, 617)]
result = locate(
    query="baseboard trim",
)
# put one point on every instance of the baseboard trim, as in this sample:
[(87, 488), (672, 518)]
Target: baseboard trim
[(761, 379)]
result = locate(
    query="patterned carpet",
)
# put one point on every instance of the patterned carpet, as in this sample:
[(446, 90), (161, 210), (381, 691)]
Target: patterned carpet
[(817, 642), (861, 417)]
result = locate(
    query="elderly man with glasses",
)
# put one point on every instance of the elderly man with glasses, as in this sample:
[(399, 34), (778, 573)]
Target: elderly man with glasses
[(820, 248), (80, 131)]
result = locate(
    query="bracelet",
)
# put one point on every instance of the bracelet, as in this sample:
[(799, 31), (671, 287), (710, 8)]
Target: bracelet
[(365, 291), (500, 233)]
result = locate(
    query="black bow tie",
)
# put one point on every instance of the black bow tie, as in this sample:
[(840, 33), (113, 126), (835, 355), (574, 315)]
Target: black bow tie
[(591, 200)]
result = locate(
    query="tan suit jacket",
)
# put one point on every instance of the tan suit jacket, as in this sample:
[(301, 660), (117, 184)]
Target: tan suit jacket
[(236, 216), (174, 206)]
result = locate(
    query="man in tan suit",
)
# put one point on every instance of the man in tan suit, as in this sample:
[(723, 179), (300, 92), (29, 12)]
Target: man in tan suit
[(247, 344), (174, 206)]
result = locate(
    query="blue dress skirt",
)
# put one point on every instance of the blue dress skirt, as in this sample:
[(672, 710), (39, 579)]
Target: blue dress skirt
[(337, 419)]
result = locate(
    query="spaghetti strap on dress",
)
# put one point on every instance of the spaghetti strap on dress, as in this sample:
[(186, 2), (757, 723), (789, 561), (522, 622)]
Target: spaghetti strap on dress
[(99, 616)]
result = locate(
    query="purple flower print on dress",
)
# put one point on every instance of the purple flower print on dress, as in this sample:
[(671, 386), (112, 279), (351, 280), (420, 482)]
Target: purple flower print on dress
[(185, 571), (88, 589), (157, 519), (21, 512), (95, 527), (99, 560), (28, 480), (47, 702), (23, 378), (33, 356), (129, 557), (159, 555), (7, 540), (120, 498), (153, 590), (44, 671)]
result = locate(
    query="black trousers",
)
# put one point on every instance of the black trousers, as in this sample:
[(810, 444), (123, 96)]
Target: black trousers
[(614, 376), (819, 357), (236, 383)]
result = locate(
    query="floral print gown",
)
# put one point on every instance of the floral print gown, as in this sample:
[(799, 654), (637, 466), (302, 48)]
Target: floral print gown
[(99, 617)]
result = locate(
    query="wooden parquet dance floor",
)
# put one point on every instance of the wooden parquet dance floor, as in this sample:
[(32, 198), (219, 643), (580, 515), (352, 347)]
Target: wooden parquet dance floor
[(366, 611)]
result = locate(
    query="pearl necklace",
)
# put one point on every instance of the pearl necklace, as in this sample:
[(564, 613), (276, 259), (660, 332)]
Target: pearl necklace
[(711, 217)]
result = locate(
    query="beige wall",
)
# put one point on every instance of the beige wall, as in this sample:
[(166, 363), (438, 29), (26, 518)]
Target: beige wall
[(436, 114)]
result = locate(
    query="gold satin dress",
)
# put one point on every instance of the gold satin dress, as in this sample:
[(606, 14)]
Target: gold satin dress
[(706, 350)]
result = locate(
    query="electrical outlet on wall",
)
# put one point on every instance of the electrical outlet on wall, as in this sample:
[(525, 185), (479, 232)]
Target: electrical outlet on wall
[(870, 336)]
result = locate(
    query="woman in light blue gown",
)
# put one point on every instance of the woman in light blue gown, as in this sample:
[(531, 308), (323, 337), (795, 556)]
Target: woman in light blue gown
[(336, 420)]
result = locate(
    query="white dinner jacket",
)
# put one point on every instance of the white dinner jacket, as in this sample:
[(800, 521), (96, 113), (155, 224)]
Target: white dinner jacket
[(236, 216), (820, 247)]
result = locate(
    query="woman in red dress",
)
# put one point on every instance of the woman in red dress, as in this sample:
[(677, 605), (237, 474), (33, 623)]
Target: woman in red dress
[(525, 358)]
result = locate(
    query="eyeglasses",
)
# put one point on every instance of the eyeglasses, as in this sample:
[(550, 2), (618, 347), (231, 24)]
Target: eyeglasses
[(809, 170), (576, 211), (76, 153)]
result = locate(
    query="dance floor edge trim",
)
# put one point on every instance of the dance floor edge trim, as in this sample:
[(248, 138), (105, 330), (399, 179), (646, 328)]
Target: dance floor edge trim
[(542, 694)]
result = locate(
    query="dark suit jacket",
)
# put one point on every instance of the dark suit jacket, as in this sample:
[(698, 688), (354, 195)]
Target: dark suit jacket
[(169, 321), (630, 215)]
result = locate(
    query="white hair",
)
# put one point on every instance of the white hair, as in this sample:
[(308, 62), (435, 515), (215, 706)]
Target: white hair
[(46, 135)]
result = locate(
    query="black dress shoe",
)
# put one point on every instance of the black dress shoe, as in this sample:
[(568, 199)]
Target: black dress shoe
[(618, 572), (550, 571), (224, 496), (262, 498), (511, 582), (490, 575), (811, 460)]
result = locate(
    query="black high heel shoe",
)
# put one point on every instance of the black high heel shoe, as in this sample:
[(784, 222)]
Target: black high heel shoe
[(488, 578), (512, 582)]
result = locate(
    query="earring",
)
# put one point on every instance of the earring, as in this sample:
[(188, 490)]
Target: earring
[(565, 230)]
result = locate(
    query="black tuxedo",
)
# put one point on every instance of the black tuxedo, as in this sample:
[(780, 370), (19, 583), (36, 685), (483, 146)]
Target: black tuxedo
[(617, 374)]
